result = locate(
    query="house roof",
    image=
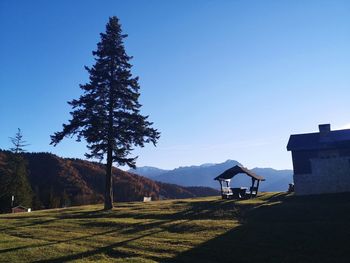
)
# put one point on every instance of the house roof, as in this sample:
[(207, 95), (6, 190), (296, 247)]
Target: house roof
[(228, 174), (315, 141), (21, 207)]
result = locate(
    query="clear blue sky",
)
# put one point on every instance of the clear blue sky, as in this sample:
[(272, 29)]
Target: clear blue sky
[(220, 79)]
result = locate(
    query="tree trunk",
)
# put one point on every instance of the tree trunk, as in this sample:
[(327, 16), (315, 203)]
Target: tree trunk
[(109, 179), (109, 182)]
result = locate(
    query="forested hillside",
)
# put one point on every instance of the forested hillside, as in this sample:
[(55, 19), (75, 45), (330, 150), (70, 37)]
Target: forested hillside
[(59, 182)]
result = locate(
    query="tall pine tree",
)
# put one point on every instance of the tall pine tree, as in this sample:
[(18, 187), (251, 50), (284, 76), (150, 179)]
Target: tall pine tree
[(13, 176), (107, 115), (19, 185), (18, 142)]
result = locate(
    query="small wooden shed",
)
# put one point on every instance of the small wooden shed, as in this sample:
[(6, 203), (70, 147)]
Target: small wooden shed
[(238, 192), (21, 209)]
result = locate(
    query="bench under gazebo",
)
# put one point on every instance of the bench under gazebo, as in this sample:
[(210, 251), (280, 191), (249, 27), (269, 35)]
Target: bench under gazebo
[(239, 192)]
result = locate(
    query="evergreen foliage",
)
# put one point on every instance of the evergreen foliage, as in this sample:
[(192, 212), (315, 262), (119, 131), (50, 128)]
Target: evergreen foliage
[(107, 115), (54, 200), (65, 200), (14, 182), (18, 142), (37, 204), (13, 176), (20, 186)]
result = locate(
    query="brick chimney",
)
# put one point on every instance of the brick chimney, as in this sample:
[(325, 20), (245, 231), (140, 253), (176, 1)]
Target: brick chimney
[(324, 129)]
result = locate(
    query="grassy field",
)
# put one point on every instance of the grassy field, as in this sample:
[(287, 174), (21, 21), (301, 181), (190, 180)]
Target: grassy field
[(272, 228)]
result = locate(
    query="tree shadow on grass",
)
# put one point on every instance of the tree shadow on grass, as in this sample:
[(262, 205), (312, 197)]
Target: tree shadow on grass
[(195, 210), (213, 209), (51, 243), (110, 250), (159, 223), (36, 220), (34, 223), (298, 229), (280, 229)]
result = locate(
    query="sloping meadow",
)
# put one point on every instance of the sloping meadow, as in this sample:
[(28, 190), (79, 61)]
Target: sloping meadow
[(274, 227)]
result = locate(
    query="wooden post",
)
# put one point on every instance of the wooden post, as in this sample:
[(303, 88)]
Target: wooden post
[(222, 193), (251, 188), (257, 187)]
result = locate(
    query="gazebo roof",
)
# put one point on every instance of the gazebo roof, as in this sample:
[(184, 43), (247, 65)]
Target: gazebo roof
[(228, 174)]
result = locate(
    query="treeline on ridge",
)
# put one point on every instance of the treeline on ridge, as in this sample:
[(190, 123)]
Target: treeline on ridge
[(60, 182)]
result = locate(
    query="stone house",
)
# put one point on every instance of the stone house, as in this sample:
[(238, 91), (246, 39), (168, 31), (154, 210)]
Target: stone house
[(321, 161)]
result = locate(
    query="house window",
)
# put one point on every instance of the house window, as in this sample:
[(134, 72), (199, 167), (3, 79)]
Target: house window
[(328, 154)]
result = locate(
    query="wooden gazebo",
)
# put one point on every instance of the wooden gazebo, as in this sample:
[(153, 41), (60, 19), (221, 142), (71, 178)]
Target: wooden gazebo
[(241, 192)]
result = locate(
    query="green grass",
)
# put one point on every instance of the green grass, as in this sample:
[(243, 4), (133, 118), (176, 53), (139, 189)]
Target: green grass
[(274, 227)]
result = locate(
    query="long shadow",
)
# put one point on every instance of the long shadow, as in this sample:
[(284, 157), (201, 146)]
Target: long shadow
[(281, 229), (216, 209), (64, 214), (132, 229), (136, 228), (105, 249), (57, 242), (108, 250), (193, 210), (298, 229), (39, 222)]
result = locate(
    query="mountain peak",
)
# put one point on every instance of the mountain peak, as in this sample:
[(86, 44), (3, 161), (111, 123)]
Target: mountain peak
[(206, 164)]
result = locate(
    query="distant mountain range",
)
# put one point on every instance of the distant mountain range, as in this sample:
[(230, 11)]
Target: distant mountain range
[(148, 171), (203, 175)]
